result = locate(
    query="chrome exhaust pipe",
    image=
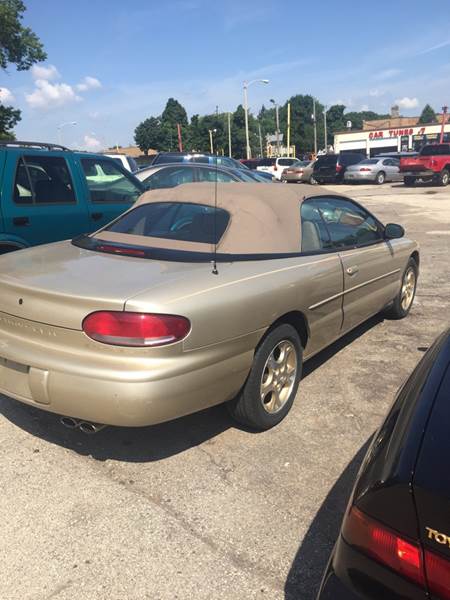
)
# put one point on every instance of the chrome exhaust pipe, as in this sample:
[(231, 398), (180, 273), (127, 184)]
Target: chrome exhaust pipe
[(70, 422), (90, 428)]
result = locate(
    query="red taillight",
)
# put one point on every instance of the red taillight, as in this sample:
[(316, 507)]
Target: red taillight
[(364, 169), (438, 574), (275, 167), (135, 329), (384, 545), (338, 168)]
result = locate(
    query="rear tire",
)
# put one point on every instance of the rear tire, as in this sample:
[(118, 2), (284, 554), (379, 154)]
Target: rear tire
[(312, 181), (409, 181), (402, 303), (380, 178), (269, 392)]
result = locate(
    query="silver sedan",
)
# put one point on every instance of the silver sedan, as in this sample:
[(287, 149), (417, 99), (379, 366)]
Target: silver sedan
[(374, 170)]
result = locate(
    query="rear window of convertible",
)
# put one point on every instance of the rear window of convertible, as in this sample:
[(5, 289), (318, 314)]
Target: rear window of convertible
[(174, 221)]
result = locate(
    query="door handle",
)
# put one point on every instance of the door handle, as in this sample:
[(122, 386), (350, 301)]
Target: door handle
[(21, 221), (352, 270), (97, 216)]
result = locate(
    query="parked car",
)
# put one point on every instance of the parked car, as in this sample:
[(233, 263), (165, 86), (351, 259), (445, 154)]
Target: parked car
[(374, 170), (431, 164), (276, 165), (171, 175), (198, 295), (299, 173), (330, 168), (49, 193), (127, 162), (395, 536), (250, 163), (197, 157)]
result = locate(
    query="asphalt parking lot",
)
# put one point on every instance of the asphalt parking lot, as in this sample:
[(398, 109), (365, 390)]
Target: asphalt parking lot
[(199, 508)]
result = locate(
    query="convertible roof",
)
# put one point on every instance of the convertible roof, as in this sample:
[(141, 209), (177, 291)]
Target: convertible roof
[(264, 218)]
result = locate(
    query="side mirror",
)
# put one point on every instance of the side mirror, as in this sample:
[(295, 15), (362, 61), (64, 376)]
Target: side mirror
[(392, 231)]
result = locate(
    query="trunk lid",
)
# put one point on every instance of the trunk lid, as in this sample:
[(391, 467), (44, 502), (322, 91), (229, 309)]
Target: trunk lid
[(418, 163), (59, 284)]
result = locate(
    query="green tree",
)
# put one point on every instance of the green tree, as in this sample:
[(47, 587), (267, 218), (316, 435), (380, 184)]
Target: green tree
[(19, 46), (428, 115), (357, 118), (149, 134), (173, 114), (335, 121)]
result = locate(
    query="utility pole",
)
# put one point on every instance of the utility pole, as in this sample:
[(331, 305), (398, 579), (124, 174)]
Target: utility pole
[(325, 128), (211, 140), (229, 135), (260, 140), (289, 129), (444, 119), (247, 136), (277, 120), (315, 126)]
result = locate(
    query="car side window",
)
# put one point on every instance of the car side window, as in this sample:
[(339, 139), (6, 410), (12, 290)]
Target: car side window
[(349, 225), (108, 182), (315, 236), (210, 175), (43, 180), (170, 177)]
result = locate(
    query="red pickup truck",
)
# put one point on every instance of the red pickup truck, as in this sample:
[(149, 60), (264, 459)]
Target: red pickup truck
[(431, 164)]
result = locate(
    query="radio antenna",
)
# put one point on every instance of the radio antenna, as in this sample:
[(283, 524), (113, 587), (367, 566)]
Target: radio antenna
[(214, 262)]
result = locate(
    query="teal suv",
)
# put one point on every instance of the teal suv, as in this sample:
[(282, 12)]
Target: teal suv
[(49, 193)]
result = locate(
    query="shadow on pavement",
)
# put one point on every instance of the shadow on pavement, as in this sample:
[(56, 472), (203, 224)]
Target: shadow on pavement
[(307, 568), (153, 443)]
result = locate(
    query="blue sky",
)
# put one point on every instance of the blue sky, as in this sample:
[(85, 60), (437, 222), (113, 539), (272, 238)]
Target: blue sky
[(112, 63)]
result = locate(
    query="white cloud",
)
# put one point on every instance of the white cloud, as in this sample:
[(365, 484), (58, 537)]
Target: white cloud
[(51, 95), (6, 96), (88, 83), (364, 107), (47, 73), (92, 143), (407, 102), (376, 93), (433, 48)]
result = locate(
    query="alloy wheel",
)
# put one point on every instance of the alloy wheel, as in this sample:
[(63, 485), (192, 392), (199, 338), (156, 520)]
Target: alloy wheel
[(408, 288), (278, 376)]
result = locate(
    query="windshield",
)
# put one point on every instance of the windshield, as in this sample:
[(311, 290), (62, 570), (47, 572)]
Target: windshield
[(369, 161), (435, 150)]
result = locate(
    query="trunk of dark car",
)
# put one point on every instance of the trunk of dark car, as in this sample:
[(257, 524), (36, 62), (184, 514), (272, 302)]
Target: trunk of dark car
[(431, 483), (325, 167)]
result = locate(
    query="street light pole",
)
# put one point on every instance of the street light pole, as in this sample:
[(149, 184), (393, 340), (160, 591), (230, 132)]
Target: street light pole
[(325, 128), (247, 137), (60, 126), (315, 126)]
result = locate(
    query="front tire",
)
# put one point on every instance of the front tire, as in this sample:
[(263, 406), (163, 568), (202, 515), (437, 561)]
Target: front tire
[(268, 394), (444, 177), (405, 297)]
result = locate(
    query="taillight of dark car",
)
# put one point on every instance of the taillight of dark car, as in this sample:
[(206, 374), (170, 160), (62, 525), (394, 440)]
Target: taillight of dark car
[(338, 168), (135, 329), (404, 556)]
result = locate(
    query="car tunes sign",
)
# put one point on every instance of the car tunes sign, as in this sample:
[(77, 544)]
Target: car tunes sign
[(374, 135)]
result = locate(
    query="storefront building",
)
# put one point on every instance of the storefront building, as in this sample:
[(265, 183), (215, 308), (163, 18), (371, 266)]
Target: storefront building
[(399, 139)]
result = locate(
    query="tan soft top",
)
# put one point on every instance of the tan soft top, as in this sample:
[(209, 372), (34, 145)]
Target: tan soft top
[(264, 218)]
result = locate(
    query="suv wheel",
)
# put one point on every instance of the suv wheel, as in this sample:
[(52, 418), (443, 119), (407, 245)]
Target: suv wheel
[(270, 389), (409, 181), (444, 177)]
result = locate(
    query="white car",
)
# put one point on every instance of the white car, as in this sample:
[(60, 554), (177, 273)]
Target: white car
[(275, 166), (127, 162)]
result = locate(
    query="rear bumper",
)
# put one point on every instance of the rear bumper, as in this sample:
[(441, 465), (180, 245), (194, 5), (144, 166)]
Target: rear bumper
[(426, 173), (350, 177), (120, 389), (292, 177)]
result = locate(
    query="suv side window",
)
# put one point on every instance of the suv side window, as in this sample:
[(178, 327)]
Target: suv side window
[(43, 180), (108, 182), (315, 235), (349, 225)]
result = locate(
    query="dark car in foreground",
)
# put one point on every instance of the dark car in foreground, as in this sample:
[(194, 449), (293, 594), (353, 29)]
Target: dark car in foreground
[(395, 537), (330, 168)]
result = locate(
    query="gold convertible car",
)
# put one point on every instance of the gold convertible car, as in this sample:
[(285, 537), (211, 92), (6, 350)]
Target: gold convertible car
[(195, 296)]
